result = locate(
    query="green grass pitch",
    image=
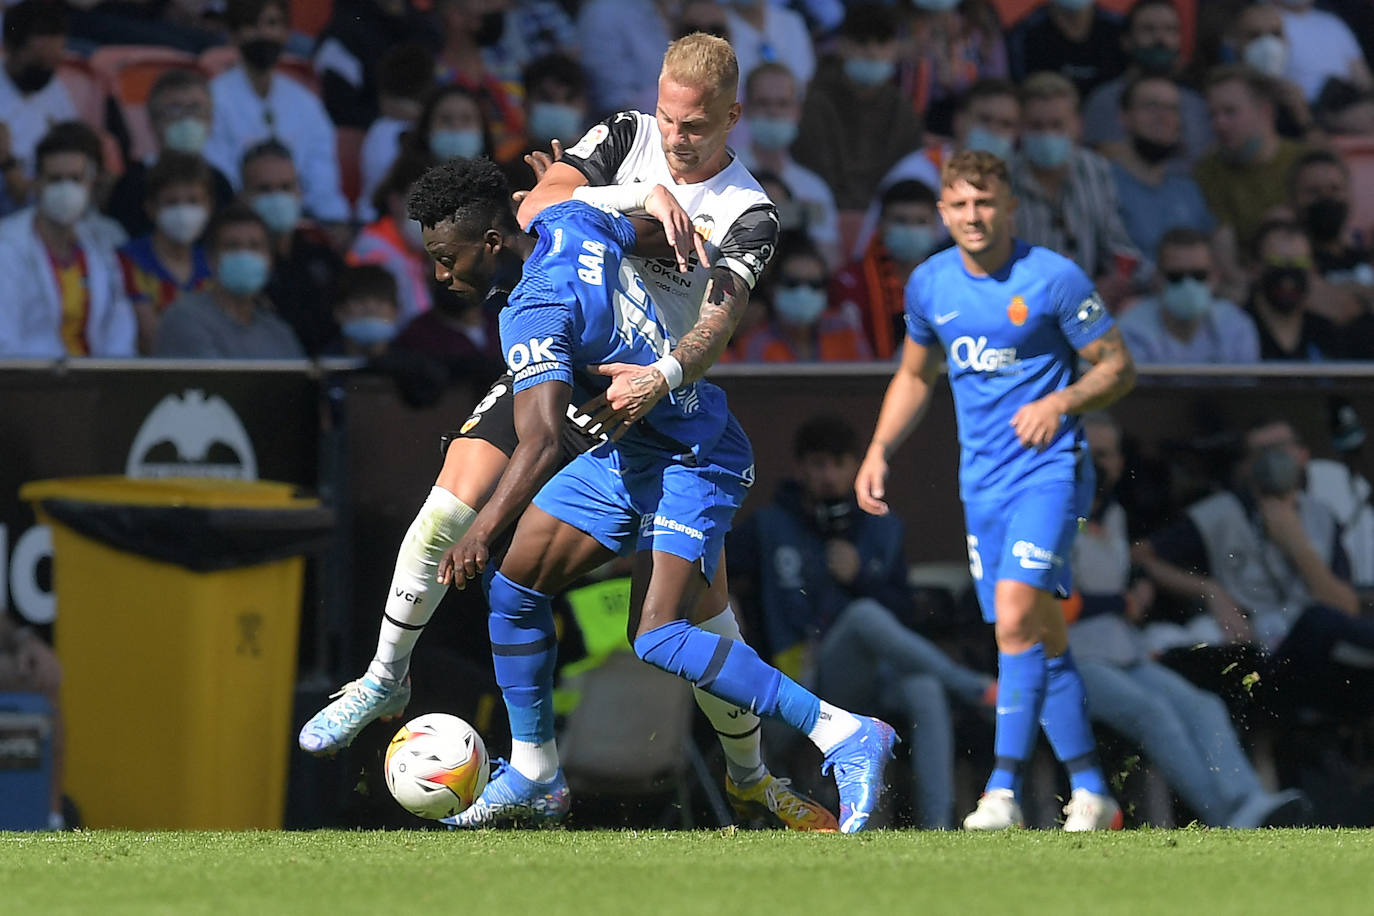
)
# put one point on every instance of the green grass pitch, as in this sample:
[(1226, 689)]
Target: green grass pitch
[(1303, 872)]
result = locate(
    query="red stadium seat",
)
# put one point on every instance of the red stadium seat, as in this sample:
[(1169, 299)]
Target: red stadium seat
[(311, 17), (85, 86), (350, 148), (1358, 153)]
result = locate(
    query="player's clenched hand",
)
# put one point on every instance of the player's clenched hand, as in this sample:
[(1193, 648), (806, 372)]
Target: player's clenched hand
[(539, 162), (633, 392), (677, 227), (463, 561), (1038, 422), (870, 485)]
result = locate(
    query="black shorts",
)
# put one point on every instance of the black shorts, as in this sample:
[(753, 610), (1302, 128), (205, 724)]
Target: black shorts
[(493, 420)]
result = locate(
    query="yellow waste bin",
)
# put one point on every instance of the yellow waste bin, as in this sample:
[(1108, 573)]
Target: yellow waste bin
[(178, 611)]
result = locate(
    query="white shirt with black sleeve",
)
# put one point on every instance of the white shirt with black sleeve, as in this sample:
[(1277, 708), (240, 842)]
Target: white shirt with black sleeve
[(730, 210)]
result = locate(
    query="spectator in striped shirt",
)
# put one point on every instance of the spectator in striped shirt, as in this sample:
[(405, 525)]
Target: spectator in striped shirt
[(1068, 200)]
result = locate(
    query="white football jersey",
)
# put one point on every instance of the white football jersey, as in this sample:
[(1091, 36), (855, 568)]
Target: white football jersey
[(730, 210)]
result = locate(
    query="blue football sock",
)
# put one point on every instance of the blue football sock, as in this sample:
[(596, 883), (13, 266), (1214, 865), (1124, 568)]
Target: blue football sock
[(730, 670), (524, 649), (1065, 720), (1021, 678)]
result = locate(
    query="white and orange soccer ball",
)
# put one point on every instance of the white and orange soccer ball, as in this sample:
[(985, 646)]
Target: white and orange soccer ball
[(436, 766)]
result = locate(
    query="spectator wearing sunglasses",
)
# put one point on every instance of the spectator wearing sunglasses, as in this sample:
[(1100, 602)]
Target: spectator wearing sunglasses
[(1185, 322)]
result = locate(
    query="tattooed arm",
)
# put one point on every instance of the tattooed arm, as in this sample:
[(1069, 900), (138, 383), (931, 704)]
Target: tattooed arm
[(1112, 375)]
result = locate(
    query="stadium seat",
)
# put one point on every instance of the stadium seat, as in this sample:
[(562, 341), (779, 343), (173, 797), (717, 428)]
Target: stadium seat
[(350, 147), (1358, 153), (85, 86), (311, 18), (630, 737), (130, 71)]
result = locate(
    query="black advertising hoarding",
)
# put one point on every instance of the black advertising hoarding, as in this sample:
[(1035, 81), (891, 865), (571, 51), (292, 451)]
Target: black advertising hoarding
[(252, 422)]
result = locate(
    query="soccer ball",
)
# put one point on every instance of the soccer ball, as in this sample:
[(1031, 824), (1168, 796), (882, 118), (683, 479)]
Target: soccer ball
[(436, 766)]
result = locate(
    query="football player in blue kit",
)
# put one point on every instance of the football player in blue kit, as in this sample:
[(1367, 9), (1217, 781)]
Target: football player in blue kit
[(665, 491), (1012, 321)]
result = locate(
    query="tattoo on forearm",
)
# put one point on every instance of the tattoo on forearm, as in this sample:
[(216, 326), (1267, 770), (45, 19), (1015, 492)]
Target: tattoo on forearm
[(1111, 376), (725, 301)]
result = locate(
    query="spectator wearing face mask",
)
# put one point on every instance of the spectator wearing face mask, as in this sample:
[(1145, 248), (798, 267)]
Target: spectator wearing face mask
[(1155, 191), (1320, 195), (1257, 40), (555, 110), (804, 328), (1066, 195), (772, 108), (63, 295), (762, 31), (908, 230), (1184, 322), (404, 80), (857, 90), (365, 309), (31, 98), (1246, 175), (230, 318), (252, 103), (987, 117), (304, 262), (180, 111), (1321, 47), (1282, 284), (393, 240), (159, 267), (451, 125), (472, 29), (1074, 38), (1152, 40)]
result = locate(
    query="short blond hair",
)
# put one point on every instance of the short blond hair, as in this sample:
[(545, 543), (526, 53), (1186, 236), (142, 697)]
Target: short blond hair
[(704, 62), (976, 167), (1046, 85)]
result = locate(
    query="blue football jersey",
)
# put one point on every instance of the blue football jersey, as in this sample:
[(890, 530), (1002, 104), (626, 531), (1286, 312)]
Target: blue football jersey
[(580, 303), (1009, 339)]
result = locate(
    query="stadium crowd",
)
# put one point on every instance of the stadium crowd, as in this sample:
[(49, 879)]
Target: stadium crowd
[(228, 180)]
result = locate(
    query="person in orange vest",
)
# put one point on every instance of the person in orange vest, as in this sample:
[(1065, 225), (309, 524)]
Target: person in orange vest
[(872, 287), (803, 325)]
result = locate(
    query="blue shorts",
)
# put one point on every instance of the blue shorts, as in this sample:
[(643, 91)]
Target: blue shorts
[(1026, 538), (632, 503)]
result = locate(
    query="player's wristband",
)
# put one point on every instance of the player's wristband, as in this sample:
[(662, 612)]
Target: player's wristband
[(671, 369), (622, 197)]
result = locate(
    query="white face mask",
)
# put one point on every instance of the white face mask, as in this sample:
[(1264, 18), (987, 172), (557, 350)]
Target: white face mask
[(1268, 54), (183, 223), (64, 201)]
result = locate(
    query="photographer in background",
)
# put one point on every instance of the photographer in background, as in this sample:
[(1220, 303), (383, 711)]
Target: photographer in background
[(824, 588)]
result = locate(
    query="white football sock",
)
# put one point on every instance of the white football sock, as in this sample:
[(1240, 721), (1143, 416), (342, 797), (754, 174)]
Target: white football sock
[(415, 593), (832, 726), (736, 728), (537, 762)]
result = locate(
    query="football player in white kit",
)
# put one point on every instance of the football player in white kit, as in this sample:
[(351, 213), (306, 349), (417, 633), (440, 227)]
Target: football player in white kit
[(719, 231)]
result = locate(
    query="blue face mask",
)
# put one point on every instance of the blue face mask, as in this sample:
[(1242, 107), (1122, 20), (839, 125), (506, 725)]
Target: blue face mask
[(1073, 6), (243, 273), (551, 121), (1046, 150), (1186, 300), (772, 133), (280, 210), (867, 72), (186, 135), (798, 305), (907, 242), (451, 144), (369, 330), (936, 6), (980, 138)]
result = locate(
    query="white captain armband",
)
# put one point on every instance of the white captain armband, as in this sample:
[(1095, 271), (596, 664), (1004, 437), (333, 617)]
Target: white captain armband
[(619, 197), (670, 368)]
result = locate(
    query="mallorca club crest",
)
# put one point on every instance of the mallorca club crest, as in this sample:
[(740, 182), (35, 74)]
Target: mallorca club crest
[(1017, 311)]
